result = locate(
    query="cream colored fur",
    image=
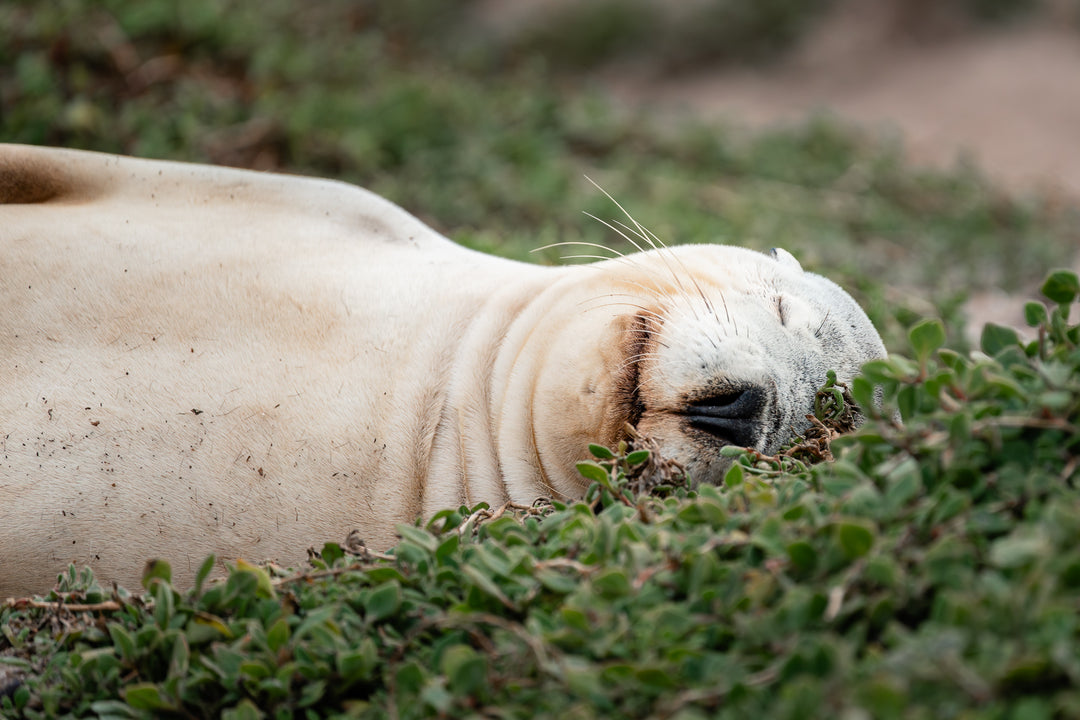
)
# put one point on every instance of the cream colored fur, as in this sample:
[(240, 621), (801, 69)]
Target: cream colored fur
[(200, 360)]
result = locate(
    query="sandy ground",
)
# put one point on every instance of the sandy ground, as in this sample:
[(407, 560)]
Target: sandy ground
[(1009, 97)]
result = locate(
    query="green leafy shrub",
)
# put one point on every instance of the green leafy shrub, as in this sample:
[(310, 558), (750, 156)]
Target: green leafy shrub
[(931, 571)]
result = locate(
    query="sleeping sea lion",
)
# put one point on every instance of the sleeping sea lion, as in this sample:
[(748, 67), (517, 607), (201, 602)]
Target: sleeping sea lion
[(200, 360)]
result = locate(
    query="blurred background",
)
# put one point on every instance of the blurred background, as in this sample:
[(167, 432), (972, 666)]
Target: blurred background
[(925, 154)]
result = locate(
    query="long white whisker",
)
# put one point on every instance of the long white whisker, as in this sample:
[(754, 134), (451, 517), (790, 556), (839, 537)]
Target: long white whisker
[(617, 230), (591, 257), (654, 237), (638, 357), (580, 243), (616, 202), (656, 291), (648, 236), (653, 292), (640, 308), (697, 287), (634, 361), (640, 234)]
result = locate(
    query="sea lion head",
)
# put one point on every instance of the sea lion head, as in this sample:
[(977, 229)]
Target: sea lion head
[(698, 347)]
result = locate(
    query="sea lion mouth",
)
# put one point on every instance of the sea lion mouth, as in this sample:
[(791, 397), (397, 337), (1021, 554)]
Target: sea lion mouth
[(729, 416)]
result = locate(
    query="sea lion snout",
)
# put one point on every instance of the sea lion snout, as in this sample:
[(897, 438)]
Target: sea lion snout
[(732, 416), (737, 359)]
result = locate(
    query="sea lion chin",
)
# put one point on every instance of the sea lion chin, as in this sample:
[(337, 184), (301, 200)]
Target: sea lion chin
[(204, 360)]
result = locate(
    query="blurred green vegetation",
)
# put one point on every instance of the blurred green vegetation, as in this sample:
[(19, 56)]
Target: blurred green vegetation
[(486, 137), (672, 36)]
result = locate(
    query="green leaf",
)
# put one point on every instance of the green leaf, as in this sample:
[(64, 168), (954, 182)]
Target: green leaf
[(925, 338), (103, 708), (996, 338), (357, 665), (448, 547), (594, 472), (711, 512), (612, 583), (486, 585), (409, 678), (122, 641), (656, 677), (204, 572), (601, 452), (952, 359), (22, 697), (904, 483), (379, 575), (264, 587), (156, 570), (416, 536), (1018, 550), (878, 372), (255, 669), (164, 606), (312, 693), (145, 696), (436, 696), (883, 570), (214, 625), (907, 401), (1035, 314), (384, 601), (1061, 286), (465, 670), (802, 556), (637, 457), (243, 710), (331, 552), (557, 582), (277, 636), (181, 656), (862, 392), (855, 538), (445, 520)]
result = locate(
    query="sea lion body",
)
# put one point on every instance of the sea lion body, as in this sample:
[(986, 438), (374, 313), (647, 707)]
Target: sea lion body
[(200, 360)]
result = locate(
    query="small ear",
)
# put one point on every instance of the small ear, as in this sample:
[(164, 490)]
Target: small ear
[(783, 257)]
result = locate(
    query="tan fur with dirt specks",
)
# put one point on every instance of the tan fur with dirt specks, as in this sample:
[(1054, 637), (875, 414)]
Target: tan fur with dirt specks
[(200, 360)]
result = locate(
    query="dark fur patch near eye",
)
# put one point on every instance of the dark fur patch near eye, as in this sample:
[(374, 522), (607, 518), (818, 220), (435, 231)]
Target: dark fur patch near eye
[(639, 339)]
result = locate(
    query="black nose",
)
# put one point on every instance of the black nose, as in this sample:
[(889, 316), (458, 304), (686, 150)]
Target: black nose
[(730, 416)]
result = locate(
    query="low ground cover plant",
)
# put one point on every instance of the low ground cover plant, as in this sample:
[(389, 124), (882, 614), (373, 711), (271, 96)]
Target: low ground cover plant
[(931, 570)]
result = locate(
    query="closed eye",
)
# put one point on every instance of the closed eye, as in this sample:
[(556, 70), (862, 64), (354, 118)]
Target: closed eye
[(780, 310)]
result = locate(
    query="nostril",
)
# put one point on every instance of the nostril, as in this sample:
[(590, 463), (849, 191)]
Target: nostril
[(727, 415), (739, 404)]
